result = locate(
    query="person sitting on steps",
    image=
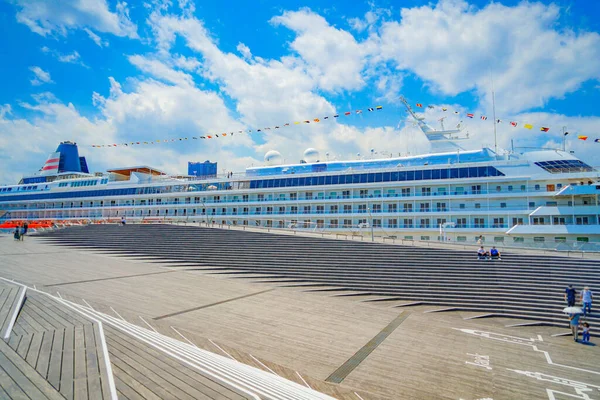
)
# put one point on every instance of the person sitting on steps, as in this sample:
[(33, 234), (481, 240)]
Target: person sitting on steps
[(495, 254), (482, 254)]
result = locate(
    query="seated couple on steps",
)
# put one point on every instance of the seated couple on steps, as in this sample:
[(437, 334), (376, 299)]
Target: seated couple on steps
[(493, 254)]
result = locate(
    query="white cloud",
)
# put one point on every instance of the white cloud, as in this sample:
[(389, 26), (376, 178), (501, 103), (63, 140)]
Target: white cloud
[(95, 38), (455, 47), (70, 58), (160, 70), (49, 17), (244, 51), (185, 63), (333, 56), (40, 76), (5, 109)]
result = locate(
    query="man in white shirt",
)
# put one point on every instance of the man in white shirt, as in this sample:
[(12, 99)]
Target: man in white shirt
[(586, 300)]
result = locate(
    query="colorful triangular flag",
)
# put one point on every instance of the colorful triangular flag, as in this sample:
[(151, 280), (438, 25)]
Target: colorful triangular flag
[(582, 137), (544, 129), (528, 126)]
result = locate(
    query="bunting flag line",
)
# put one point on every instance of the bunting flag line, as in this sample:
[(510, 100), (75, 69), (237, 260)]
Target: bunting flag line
[(514, 124), (225, 134)]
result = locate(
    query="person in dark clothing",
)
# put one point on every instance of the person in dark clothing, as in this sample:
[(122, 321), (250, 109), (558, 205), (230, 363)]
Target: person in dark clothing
[(570, 294), (24, 229), (17, 233)]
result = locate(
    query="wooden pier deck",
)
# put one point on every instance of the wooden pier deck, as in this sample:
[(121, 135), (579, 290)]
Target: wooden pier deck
[(169, 329)]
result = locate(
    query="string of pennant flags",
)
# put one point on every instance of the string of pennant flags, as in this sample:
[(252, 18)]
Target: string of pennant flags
[(514, 124), (232, 133)]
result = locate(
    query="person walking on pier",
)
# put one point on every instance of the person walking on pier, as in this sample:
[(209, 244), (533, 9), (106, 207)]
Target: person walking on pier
[(24, 229), (570, 294), (586, 300), (574, 323), (585, 333)]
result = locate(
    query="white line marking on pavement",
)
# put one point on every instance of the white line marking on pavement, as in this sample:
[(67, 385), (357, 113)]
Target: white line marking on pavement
[(219, 347), (258, 361), (118, 315), (187, 340), (300, 376), (521, 341), (150, 326), (88, 304)]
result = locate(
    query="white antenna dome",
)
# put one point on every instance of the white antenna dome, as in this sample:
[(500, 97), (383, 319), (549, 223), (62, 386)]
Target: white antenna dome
[(311, 155), (273, 157)]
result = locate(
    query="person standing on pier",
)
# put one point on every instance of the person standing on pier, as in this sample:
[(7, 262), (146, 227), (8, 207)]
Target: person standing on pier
[(586, 300), (570, 294)]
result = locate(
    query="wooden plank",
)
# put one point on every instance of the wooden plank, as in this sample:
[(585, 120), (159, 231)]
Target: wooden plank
[(41, 316), (168, 379), (57, 321), (18, 329), (44, 357), (34, 349), (181, 375), (122, 379), (3, 394), (56, 356), (7, 307), (58, 310), (24, 325), (150, 382), (93, 371), (66, 373), (4, 295), (25, 376), (80, 372), (12, 390), (31, 320), (13, 341), (101, 363), (24, 346)]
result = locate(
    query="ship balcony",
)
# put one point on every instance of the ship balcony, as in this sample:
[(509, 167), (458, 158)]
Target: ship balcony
[(583, 210), (546, 229)]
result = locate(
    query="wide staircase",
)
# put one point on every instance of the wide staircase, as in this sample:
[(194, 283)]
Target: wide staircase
[(524, 286)]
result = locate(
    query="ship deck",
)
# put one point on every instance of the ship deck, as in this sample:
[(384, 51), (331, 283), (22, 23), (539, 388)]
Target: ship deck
[(337, 345)]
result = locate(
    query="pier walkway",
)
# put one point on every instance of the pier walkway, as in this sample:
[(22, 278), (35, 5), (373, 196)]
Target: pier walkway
[(318, 336)]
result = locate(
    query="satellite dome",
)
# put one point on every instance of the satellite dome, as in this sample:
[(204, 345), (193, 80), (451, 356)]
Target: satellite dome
[(311, 155), (273, 157)]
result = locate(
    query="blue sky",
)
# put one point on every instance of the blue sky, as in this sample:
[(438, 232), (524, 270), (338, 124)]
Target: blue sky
[(99, 72)]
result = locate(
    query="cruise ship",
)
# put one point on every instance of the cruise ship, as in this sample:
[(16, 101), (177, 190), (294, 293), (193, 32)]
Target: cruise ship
[(452, 194)]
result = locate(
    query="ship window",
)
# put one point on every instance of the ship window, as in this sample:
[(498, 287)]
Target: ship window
[(539, 239), (564, 166), (560, 239), (499, 239), (461, 238), (583, 239), (427, 174)]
